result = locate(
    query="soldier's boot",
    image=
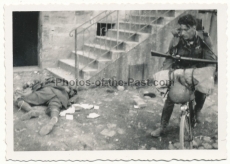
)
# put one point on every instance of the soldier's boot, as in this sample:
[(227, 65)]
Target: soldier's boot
[(165, 117), (198, 115), (24, 106), (158, 132), (49, 127), (199, 99), (30, 112)]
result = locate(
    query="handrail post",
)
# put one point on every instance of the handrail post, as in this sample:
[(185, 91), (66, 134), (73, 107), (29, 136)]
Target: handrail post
[(117, 26), (76, 62)]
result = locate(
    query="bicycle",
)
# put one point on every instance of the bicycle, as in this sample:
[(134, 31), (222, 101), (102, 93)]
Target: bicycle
[(187, 122)]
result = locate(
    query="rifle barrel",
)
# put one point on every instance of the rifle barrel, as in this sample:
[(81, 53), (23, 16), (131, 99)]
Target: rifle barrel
[(158, 54)]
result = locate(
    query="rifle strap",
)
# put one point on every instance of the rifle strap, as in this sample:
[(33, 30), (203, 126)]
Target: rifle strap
[(193, 85), (171, 71)]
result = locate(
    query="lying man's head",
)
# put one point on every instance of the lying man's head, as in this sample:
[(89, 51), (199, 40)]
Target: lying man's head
[(72, 92)]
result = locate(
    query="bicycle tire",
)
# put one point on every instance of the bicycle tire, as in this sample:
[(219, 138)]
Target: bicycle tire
[(185, 126)]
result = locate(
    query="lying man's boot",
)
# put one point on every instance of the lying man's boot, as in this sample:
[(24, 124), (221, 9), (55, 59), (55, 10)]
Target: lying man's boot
[(30, 114), (48, 127), (158, 132), (24, 106)]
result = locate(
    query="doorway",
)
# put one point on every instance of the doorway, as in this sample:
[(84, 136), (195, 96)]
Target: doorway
[(25, 39)]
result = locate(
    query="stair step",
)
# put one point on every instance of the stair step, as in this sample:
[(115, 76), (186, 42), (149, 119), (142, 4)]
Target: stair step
[(99, 49), (113, 43), (61, 73), (142, 24), (127, 35), (170, 13), (113, 39), (91, 56), (142, 27), (69, 64), (150, 19)]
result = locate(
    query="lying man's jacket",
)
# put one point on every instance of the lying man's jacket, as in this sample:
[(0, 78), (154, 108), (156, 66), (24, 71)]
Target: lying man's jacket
[(59, 91)]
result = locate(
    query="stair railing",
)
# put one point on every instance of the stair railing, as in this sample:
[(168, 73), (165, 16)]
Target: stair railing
[(93, 25), (109, 21)]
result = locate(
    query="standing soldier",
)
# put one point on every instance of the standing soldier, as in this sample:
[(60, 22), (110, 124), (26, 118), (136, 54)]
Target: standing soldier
[(187, 42)]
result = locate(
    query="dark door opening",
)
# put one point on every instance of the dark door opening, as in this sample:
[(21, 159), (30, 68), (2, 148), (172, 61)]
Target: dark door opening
[(25, 38)]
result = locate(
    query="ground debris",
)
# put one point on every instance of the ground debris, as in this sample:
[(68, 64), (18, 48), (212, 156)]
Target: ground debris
[(147, 97), (139, 101), (201, 147), (198, 141), (153, 148), (195, 144), (171, 146), (177, 145), (209, 120), (120, 88), (215, 145), (207, 139), (93, 115), (107, 132), (110, 126), (120, 131), (207, 146)]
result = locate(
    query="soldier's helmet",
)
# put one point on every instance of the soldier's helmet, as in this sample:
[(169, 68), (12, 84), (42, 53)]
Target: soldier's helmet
[(180, 94)]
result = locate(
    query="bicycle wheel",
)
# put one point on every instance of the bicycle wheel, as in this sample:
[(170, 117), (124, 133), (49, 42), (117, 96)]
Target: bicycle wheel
[(185, 133)]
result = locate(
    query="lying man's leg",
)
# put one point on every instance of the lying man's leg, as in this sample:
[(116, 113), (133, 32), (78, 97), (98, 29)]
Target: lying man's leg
[(27, 108), (35, 98), (54, 110), (165, 117)]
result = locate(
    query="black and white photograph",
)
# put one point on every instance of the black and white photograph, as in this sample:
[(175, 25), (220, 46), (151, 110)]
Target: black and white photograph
[(91, 80)]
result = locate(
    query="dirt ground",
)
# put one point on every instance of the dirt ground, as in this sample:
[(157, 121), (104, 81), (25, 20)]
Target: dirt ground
[(119, 127)]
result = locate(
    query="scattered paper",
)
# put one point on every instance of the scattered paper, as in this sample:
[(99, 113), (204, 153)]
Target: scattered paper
[(136, 106), (70, 110), (69, 117), (93, 115), (77, 107), (96, 107), (85, 106)]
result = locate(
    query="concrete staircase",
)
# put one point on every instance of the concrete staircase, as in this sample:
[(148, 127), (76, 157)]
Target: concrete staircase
[(128, 39)]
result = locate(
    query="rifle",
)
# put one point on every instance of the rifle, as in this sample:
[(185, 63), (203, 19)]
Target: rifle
[(158, 54)]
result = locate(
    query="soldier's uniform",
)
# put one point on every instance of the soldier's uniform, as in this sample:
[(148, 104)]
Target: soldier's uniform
[(200, 47), (47, 93)]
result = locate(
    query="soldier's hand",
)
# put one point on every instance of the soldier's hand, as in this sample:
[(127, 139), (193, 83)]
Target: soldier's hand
[(177, 57), (185, 78), (67, 89)]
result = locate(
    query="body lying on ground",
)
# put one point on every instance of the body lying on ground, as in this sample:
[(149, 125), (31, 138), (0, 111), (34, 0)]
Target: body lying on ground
[(55, 97)]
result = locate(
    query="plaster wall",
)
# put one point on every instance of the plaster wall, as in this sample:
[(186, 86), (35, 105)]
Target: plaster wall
[(54, 41)]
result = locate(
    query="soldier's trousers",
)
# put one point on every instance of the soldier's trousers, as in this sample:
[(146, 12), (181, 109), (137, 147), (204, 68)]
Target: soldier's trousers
[(169, 105), (45, 96)]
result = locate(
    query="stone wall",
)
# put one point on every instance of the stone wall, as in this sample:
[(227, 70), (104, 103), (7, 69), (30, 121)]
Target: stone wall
[(54, 40)]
